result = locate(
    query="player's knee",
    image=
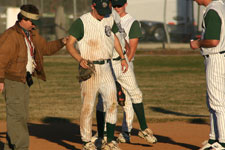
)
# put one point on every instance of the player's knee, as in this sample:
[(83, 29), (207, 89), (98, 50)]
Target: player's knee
[(86, 110)]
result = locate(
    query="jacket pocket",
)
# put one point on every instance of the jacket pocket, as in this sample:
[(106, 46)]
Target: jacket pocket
[(18, 66)]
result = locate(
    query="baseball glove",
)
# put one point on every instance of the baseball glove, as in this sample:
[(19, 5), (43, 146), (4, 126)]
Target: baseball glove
[(120, 94), (85, 74)]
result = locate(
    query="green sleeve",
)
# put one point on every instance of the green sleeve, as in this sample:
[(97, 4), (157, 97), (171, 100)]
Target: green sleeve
[(115, 28), (135, 30), (213, 25), (77, 29)]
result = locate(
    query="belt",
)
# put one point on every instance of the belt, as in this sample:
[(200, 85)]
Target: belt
[(118, 58), (101, 62), (222, 52)]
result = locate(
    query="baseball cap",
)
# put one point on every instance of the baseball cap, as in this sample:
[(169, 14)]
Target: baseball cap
[(102, 7), (118, 3)]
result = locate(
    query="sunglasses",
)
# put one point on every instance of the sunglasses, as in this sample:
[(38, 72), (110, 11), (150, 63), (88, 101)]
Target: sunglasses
[(30, 21), (118, 6)]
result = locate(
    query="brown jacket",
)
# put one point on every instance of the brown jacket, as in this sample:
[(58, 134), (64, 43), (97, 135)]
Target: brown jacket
[(13, 54)]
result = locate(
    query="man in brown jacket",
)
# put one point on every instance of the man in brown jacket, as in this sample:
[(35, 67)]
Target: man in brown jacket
[(21, 57)]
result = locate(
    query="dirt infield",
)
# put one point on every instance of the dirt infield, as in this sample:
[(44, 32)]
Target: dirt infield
[(65, 136)]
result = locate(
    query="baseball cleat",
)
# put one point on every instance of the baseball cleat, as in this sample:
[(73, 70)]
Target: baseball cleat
[(217, 146), (206, 146), (147, 134), (123, 138), (99, 143), (111, 146), (95, 137), (89, 146)]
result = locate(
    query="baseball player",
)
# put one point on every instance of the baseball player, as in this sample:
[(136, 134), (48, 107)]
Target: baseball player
[(130, 30), (96, 42), (212, 45)]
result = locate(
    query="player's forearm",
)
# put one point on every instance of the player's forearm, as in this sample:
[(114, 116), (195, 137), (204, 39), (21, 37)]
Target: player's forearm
[(133, 46), (118, 47), (73, 52), (71, 49), (195, 44), (127, 47), (208, 43), (130, 54)]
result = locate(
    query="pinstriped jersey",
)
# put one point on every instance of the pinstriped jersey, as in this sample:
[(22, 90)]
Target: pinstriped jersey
[(131, 26), (219, 7), (98, 40), (120, 34), (126, 22)]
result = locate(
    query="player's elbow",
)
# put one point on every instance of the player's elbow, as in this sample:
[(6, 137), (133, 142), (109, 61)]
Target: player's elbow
[(214, 43)]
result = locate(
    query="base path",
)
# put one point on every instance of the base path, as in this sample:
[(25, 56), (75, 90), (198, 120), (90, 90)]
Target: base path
[(65, 136)]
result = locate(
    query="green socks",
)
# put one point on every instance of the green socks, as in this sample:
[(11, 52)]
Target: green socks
[(110, 132), (210, 141), (222, 144), (139, 110), (100, 117)]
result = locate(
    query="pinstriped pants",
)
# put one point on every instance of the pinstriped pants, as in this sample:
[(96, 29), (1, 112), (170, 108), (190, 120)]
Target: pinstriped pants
[(101, 82), (215, 82), (131, 90)]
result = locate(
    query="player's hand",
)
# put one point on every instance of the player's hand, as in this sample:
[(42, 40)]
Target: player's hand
[(124, 65), (1, 87), (84, 63), (64, 40), (194, 44)]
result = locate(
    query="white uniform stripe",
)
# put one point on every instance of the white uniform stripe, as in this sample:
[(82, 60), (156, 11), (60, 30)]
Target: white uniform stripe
[(215, 79)]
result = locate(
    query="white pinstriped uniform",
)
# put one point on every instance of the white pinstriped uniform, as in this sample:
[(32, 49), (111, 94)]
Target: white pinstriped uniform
[(215, 77), (127, 79), (96, 45)]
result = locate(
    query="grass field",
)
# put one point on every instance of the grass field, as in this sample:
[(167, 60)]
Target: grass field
[(173, 89)]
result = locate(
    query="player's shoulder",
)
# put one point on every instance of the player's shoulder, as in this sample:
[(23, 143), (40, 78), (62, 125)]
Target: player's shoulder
[(128, 18), (216, 6), (85, 16), (108, 20)]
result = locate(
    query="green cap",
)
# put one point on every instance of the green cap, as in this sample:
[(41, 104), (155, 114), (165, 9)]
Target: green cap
[(102, 7), (118, 2)]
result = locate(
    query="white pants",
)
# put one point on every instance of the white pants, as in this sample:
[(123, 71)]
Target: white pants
[(101, 82), (215, 80), (131, 90)]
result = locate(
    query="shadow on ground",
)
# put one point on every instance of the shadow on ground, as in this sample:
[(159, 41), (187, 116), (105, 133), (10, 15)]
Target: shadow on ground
[(165, 111), (164, 139), (196, 119), (161, 139), (2, 135), (57, 130), (1, 145)]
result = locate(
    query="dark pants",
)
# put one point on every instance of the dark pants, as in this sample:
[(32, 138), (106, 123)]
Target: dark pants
[(17, 99)]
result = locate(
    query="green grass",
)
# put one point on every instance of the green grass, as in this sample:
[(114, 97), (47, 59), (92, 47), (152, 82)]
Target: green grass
[(173, 88)]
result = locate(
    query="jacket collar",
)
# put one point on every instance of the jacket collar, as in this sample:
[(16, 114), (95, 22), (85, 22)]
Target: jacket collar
[(19, 29)]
